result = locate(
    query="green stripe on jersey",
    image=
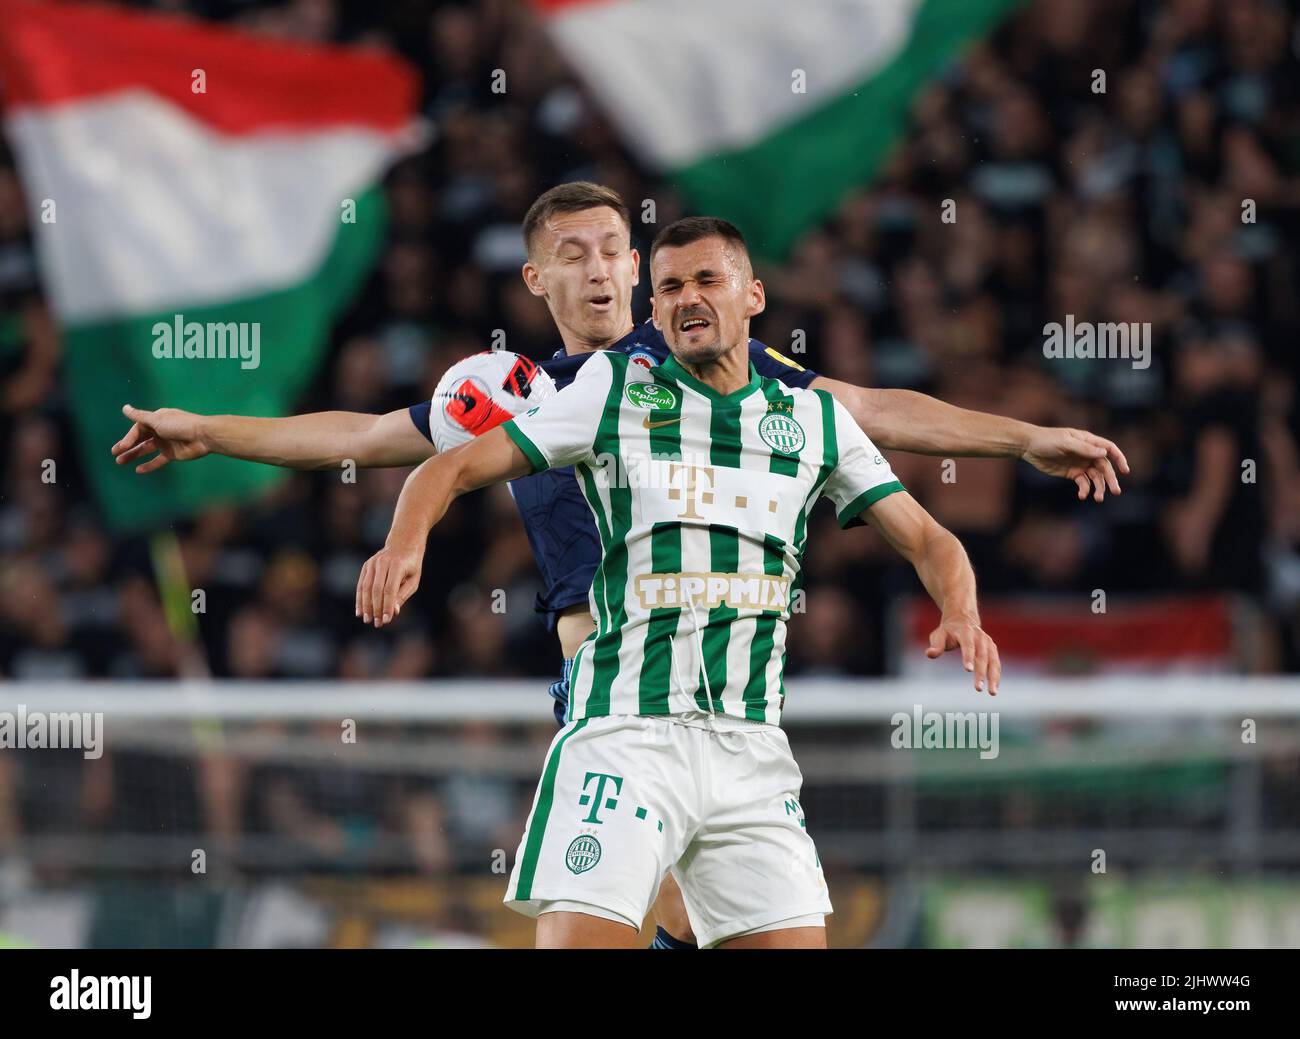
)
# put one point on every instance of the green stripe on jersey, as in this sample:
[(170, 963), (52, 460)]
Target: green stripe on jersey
[(830, 459), (786, 465), (724, 555), (761, 649), (612, 571), (587, 482), (724, 433), (665, 558)]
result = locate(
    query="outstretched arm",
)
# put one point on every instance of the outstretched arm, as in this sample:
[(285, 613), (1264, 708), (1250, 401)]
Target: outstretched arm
[(903, 420), (321, 440), (392, 575), (944, 569)]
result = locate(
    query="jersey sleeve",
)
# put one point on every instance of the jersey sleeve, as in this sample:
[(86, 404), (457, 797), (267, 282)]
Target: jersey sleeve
[(862, 476), (565, 369), (562, 429), (420, 416), (772, 364)]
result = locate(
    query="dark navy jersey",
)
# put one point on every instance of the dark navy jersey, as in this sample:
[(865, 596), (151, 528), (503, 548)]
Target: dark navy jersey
[(556, 516)]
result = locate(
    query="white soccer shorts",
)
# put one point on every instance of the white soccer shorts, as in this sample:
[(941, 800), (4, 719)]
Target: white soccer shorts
[(623, 799)]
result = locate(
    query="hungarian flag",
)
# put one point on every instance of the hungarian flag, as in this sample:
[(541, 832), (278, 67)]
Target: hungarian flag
[(205, 202), (766, 112), (1083, 635)]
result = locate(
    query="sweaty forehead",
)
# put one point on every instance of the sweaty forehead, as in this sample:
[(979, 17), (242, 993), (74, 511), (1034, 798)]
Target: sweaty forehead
[(586, 225), (707, 254)]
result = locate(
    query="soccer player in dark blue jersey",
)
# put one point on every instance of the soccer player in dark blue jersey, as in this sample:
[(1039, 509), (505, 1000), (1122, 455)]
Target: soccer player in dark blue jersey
[(582, 263)]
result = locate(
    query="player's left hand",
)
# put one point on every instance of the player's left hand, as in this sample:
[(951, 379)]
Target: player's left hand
[(1075, 454), (176, 435), (979, 653), (387, 580)]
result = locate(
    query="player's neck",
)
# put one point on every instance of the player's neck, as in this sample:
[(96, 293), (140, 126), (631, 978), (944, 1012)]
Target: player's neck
[(726, 375), (574, 343)]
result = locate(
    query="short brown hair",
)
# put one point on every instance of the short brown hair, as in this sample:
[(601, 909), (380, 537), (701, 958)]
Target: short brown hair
[(572, 197), (696, 228)]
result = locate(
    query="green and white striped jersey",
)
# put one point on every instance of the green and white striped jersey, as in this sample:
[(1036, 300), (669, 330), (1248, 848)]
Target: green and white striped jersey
[(702, 503)]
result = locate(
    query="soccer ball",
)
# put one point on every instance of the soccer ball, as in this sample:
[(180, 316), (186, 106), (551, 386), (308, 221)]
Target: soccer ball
[(481, 392)]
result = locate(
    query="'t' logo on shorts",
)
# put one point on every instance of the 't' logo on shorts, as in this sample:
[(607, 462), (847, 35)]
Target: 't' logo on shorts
[(610, 803)]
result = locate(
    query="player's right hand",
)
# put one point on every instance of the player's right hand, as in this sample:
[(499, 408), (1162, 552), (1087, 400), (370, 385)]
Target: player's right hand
[(979, 653), (387, 580), (173, 433), (1086, 459)]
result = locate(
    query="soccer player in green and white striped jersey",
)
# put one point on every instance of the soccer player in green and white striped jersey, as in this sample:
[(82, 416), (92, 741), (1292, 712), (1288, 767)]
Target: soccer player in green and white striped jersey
[(702, 500), (701, 476)]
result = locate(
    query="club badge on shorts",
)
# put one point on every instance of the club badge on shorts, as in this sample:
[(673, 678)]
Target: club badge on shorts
[(583, 853)]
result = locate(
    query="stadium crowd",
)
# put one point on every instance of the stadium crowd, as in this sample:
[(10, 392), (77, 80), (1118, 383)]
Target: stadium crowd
[(1122, 204)]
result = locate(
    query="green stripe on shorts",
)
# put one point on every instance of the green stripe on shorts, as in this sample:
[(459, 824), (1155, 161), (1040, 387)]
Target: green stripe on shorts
[(541, 813)]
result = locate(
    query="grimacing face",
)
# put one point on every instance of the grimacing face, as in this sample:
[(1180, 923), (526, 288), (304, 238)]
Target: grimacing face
[(704, 295), (584, 266)]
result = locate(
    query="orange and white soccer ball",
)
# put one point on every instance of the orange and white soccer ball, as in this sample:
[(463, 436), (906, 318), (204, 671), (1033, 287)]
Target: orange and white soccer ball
[(483, 391)]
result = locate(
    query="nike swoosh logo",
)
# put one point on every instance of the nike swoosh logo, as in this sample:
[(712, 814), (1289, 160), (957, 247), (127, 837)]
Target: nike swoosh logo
[(655, 425)]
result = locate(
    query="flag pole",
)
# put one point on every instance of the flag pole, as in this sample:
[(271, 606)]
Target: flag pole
[(174, 593)]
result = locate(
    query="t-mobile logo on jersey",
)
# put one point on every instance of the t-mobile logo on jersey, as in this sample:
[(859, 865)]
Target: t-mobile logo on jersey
[(747, 499), (692, 485)]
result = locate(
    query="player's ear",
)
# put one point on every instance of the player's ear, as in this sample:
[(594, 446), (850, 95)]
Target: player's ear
[(636, 267), (533, 279), (757, 299), (654, 314)]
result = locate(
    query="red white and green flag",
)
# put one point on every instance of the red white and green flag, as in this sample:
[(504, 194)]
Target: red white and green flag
[(194, 191), (766, 112), (1186, 634)]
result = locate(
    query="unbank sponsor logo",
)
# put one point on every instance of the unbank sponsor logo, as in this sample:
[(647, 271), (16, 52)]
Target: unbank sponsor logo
[(651, 396), (707, 590)]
